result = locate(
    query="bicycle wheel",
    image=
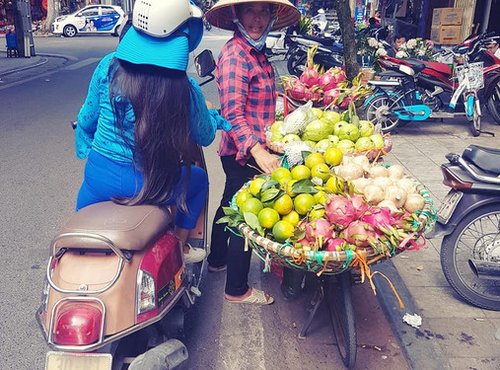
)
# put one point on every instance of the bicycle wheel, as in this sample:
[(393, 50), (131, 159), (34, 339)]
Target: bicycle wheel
[(472, 113), (339, 301), (477, 236)]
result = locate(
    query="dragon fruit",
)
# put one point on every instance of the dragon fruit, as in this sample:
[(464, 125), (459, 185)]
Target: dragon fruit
[(360, 205), (360, 234), (340, 211), (319, 228), (335, 244), (327, 81), (379, 218)]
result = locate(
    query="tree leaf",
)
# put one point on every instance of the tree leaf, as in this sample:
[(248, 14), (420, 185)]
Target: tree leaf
[(269, 195), (304, 186), (224, 220), (268, 185)]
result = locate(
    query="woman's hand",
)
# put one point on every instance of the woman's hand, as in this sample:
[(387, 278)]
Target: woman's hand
[(266, 161)]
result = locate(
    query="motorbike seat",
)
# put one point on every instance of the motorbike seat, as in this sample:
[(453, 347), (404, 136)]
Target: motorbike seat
[(416, 64), (487, 159), (130, 228), (439, 67)]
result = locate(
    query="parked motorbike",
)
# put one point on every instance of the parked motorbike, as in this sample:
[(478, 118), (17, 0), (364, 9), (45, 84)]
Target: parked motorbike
[(116, 288), (469, 221), (328, 55), (415, 90)]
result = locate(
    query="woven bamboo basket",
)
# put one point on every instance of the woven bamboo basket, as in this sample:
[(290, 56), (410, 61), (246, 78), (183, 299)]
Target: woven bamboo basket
[(335, 262)]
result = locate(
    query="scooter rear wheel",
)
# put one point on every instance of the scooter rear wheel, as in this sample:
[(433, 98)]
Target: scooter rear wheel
[(494, 104), (476, 236), (379, 110)]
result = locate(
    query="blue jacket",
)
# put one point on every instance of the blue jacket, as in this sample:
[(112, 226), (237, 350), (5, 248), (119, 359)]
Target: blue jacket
[(11, 40), (96, 127)]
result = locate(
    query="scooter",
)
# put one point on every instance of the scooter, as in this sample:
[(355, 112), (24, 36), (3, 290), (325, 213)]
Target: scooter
[(415, 90), (469, 222), (116, 288)]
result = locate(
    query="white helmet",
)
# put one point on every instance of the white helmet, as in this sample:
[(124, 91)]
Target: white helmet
[(160, 18)]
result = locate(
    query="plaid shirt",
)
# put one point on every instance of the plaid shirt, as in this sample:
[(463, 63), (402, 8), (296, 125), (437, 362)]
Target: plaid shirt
[(247, 92)]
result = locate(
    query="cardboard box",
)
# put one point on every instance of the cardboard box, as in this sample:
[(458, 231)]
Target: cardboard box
[(446, 35), (447, 17)]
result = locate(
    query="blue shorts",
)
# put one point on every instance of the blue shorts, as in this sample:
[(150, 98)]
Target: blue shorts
[(105, 179)]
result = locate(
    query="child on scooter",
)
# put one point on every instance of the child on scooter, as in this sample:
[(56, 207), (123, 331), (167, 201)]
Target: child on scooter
[(142, 117)]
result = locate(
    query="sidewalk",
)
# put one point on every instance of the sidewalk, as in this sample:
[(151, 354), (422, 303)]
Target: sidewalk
[(10, 65)]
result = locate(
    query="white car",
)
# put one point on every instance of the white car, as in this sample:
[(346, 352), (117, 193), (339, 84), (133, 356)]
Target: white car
[(91, 19)]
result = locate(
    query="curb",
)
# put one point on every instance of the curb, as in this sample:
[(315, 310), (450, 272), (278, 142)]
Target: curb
[(43, 61), (420, 351)]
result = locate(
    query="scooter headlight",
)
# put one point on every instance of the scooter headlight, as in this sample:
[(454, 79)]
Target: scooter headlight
[(146, 300)]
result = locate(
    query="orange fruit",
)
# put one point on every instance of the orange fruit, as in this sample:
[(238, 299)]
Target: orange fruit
[(322, 171), (282, 175), (316, 213), (303, 203), (320, 197), (284, 204), (333, 156), (301, 172), (314, 159), (293, 217), (289, 187), (242, 197), (255, 185), (283, 230), (268, 217), (252, 205)]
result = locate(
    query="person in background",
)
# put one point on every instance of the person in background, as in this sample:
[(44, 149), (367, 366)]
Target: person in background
[(377, 18), (247, 92), (11, 43), (397, 45), (141, 119)]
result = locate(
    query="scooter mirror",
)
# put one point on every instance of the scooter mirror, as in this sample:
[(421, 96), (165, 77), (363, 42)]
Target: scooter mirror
[(204, 63)]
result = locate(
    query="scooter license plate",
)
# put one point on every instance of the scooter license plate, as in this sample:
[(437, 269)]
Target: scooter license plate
[(78, 361), (448, 206)]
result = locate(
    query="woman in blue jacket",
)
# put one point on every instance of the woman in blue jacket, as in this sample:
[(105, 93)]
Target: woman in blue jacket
[(142, 117)]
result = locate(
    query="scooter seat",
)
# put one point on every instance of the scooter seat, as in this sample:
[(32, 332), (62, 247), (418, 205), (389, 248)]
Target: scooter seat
[(487, 159), (127, 227), (439, 67)]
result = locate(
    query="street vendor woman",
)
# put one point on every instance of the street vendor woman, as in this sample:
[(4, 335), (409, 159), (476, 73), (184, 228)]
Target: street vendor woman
[(247, 91)]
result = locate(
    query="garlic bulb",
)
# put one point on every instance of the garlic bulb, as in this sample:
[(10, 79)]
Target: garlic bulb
[(414, 202), (378, 171), (396, 195), (373, 194), (396, 171)]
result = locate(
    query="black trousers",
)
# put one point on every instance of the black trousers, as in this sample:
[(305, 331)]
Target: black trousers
[(225, 247)]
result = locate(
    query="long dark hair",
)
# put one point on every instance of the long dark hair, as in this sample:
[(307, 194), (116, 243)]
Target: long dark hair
[(160, 98)]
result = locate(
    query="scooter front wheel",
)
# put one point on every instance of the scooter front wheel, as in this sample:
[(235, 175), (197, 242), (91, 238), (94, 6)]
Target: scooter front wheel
[(475, 237)]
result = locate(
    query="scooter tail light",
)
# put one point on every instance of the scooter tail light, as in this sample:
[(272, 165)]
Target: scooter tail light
[(77, 324), (146, 296), (453, 181)]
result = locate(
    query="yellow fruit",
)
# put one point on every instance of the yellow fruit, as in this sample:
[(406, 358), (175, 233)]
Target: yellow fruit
[(314, 159), (283, 230), (320, 196), (301, 172), (252, 205), (321, 170), (293, 217), (303, 203), (282, 175), (268, 217), (333, 156), (289, 187), (284, 204), (334, 185), (242, 197), (316, 213), (256, 185)]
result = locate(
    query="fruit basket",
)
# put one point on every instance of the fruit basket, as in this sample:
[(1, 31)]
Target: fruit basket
[(351, 257)]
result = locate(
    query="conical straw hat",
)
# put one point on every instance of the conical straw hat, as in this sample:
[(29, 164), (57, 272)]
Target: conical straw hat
[(222, 13)]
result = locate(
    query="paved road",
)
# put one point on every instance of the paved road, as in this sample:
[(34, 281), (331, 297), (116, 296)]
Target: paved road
[(40, 178)]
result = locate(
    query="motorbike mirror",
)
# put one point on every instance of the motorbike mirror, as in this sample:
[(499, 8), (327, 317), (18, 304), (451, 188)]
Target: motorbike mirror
[(204, 63)]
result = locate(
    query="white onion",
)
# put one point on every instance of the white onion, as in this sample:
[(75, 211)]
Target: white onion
[(407, 185), (373, 194), (383, 182), (396, 195), (362, 160), (388, 204), (378, 171), (414, 202), (351, 171), (360, 184), (396, 171)]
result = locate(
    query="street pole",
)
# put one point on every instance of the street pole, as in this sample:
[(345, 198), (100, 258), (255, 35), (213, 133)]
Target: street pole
[(24, 32)]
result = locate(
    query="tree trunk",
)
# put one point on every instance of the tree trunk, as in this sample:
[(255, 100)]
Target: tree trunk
[(348, 38), (51, 15)]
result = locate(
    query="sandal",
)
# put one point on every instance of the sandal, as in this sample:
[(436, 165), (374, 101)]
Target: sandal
[(256, 297)]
